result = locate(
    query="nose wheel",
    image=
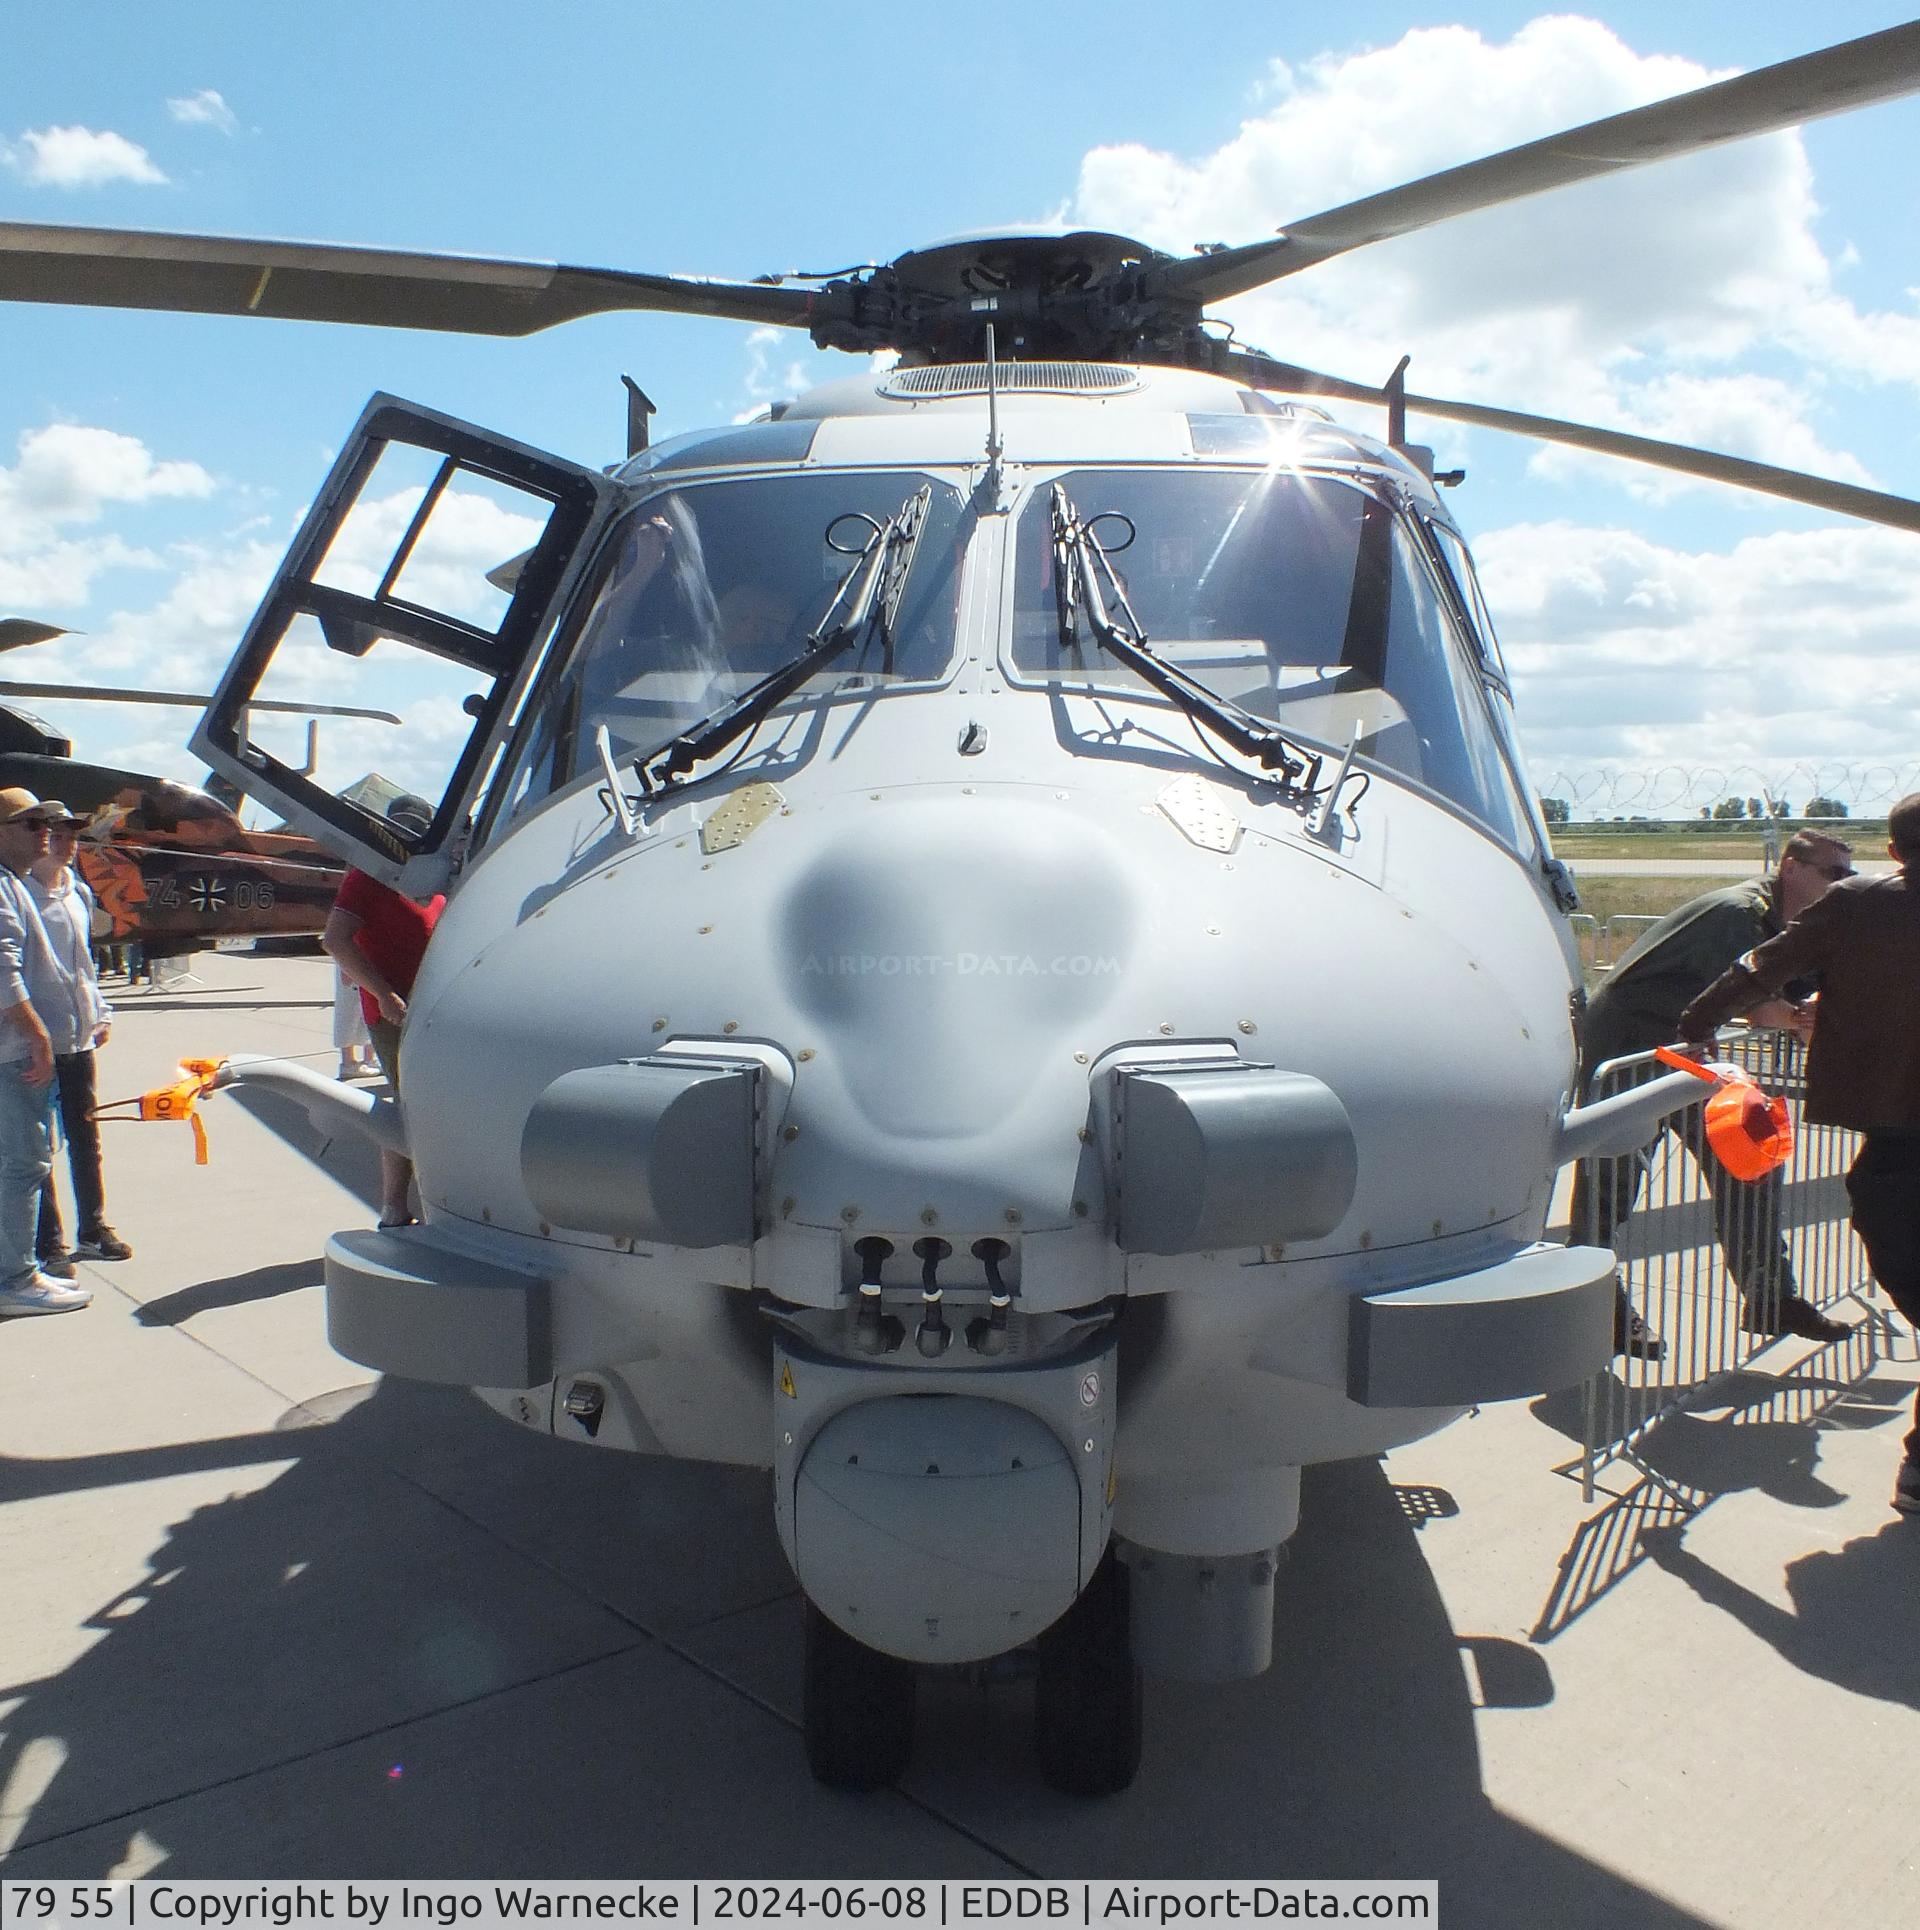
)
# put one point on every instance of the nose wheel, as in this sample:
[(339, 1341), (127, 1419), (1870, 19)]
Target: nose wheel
[(1088, 1700), (856, 1709)]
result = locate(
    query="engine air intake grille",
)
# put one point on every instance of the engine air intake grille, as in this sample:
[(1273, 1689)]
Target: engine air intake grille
[(1011, 378)]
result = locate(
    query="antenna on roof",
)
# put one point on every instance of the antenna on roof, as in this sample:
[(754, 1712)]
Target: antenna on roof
[(1396, 393), (639, 408), (990, 482)]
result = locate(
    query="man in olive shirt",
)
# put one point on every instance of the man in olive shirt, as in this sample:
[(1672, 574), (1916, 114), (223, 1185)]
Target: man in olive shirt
[(1863, 1071), (1639, 1007)]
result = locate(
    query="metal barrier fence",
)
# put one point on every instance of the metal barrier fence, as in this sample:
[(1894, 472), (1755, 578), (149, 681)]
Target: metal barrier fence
[(1706, 1260)]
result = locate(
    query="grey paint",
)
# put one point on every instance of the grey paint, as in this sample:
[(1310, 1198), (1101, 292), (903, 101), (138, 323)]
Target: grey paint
[(1537, 1323), (860, 1541), (397, 1302), (948, 953), (331, 1107), (651, 1149), (1611, 1128), (1230, 1155), (938, 1527), (1201, 1618)]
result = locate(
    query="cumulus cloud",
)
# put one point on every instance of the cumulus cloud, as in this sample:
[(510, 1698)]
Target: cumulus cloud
[(69, 473), (781, 362), (59, 576), (67, 477), (1639, 302), (1783, 654), (182, 636), (204, 109), (468, 534), (80, 157)]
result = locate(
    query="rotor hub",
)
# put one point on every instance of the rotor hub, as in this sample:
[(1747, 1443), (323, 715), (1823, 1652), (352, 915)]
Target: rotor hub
[(1081, 294)]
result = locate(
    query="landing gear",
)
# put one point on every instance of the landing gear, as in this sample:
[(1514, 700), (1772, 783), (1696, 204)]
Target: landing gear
[(1087, 1703), (856, 1709)]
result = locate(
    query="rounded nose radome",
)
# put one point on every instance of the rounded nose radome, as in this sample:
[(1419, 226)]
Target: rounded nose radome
[(945, 962)]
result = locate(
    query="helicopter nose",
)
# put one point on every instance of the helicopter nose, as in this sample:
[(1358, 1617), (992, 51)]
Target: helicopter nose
[(946, 960)]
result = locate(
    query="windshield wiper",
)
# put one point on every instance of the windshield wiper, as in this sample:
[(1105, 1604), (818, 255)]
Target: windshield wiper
[(1080, 563), (866, 605)]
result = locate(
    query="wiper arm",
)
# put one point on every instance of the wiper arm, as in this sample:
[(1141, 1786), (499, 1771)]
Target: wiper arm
[(866, 604), (1084, 579)]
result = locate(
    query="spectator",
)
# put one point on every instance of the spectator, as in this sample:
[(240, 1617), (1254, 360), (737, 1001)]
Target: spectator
[(350, 1035), (36, 1004), (377, 938), (66, 911), (1863, 1070), (1637, 1008)]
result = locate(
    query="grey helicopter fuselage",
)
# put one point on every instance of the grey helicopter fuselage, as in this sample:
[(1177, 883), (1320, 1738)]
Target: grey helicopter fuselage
[(1005, 966), (980, 1026)]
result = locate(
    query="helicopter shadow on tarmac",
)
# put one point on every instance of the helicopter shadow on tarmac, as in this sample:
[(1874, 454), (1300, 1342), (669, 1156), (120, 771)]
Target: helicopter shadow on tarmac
[(436, 1645)]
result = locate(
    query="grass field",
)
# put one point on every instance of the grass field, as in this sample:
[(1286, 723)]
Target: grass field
[(1606, 898), (1744, 839)]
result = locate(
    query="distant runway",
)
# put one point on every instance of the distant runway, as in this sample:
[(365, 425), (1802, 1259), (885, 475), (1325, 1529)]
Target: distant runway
[(1694, 867)]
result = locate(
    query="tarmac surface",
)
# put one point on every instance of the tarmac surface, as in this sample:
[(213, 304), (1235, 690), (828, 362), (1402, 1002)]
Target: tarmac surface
[(262, 1614)]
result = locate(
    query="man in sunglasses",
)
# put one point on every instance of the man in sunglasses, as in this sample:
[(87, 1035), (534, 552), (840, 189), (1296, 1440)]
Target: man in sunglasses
[(1863, 1070), (1638, 1007)]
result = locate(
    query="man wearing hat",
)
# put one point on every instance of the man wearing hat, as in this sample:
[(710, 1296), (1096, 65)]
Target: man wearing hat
[(66, 910), (38, 1006)]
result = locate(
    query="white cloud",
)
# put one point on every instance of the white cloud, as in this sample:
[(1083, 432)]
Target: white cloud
[(1750, 415), (81, 157), (59, 576), (68, 473), (1632, 302), (467, 535), (781, 362), (204, 109), (66, 477), (1777, 666)]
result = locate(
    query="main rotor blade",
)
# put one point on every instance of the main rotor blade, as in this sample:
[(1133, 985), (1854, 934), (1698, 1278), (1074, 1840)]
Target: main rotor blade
[(1857, 73), (321, 282), (1793, 485), (17, 632), (192, 700)]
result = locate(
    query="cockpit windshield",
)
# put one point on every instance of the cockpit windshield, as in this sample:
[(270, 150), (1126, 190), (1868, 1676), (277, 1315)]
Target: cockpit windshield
[(1304, 599), (706, 588)]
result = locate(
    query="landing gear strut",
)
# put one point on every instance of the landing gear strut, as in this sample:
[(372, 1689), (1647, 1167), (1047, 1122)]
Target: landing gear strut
[(1087, 1703), (856, 1709)]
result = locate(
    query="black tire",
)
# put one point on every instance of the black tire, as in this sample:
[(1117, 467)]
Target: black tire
[(1088, 1703), (856, 1709)]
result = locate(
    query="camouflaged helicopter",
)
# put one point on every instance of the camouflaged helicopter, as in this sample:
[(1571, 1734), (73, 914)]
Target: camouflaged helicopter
[(956, 880), (171, 867)]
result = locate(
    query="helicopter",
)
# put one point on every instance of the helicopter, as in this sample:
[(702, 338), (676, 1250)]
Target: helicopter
[(950, 887), (171, 867)]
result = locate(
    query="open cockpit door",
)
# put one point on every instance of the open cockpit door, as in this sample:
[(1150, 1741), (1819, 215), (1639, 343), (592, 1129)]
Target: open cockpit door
[(423, 583)]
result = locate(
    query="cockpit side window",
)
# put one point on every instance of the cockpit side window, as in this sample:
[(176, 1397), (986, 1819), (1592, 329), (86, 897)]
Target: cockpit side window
[(704, 589), (1467, 582)]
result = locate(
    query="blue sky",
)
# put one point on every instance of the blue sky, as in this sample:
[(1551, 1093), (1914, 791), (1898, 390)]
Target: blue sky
[(1762, 298)]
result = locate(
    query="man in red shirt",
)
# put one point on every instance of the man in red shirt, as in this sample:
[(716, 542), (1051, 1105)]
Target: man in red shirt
[(378, 939)]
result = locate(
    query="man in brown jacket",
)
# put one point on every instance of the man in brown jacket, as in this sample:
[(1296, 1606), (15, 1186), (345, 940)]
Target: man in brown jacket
[(1863, 1068)]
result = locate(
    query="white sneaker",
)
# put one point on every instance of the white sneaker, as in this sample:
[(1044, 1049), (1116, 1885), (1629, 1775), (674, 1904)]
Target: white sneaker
[(38, 1294)]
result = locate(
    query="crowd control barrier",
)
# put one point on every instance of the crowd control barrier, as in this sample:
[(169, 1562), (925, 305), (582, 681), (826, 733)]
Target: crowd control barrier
[(1705, 1259)]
